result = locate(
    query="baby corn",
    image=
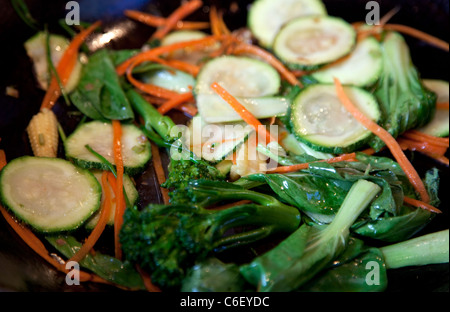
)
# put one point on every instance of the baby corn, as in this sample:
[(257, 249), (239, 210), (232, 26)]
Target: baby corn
[(43, 134)]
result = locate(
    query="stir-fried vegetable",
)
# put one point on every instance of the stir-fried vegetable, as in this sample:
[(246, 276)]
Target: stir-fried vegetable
[(301, 166)]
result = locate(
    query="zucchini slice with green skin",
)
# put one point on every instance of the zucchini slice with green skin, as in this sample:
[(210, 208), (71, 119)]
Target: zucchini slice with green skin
[(49, 194), (240, 75), (266, 17), (362, 68), (130, 190), (215, 142), (36, 49), (308, 43), (439, 124), (214, 109), (253, 82), (136, 150), (318, 118)]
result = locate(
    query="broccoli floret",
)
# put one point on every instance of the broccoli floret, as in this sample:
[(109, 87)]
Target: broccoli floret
[(181, 172), (168, 240)]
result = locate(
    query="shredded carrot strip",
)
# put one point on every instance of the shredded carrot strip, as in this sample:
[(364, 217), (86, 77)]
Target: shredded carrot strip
[(420, 204), (245, 48), (160, 174), (157, 21), (120, 203), (101, 224), (294, 168), (3, 161), (387, 138), (419, 35), (423, 137), (442, 106), (214, 21), (65, 67), (175, 102), (151, 54), (183, 66), (184, 10), (412, 145), (243, 112), (147, 280)]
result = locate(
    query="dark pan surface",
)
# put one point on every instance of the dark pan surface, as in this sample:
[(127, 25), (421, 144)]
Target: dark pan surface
[(23, 270)]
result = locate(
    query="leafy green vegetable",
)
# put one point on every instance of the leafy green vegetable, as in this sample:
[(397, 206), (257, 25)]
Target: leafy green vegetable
[(105, 266), (360, 268), (212, 275), (99, 94), (320, 190), (404, 101), (168, 240), (310, 249)]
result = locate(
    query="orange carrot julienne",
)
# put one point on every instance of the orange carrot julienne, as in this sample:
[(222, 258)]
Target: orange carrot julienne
[(65, 67), (245, 48), (426, 147), (407, 30), (442, 106), (387, 138), (420, 204), (175, 102), (423, 137), (3, 161), (151, 54), (184, 10), (243, 112), (101, 224), (120, 203), (147, 280), (294, 168), (157, 21)]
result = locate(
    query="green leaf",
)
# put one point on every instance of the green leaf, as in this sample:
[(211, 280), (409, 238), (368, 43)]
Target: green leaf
[(99, 94), (107, 267)]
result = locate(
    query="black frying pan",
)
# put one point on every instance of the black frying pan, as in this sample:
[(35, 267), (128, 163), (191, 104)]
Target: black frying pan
[(23, 270)]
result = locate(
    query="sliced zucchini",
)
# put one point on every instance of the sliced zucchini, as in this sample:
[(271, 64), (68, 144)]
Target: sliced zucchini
[(311, 42), (266, 17), (36, 48), (214, 109), (320, 120), (252, 81), (214, 142), (241, 76), (136, 150), (362, 68), (439, 124), (130, 190), (49, 194)]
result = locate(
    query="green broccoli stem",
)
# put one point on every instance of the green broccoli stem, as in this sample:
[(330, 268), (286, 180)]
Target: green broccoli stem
[(152, 118), (267, 220), (216, 194), (431, 248)]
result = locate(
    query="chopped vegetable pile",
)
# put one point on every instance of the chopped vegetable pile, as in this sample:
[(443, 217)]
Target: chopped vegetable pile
[(291, 172)]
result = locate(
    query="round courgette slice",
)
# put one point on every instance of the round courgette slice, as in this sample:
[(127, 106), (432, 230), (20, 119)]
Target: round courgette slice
[(319, 119), (266, 17), (49, 194), (307, 43), (439, 124), (136, 150), (362, 68)]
